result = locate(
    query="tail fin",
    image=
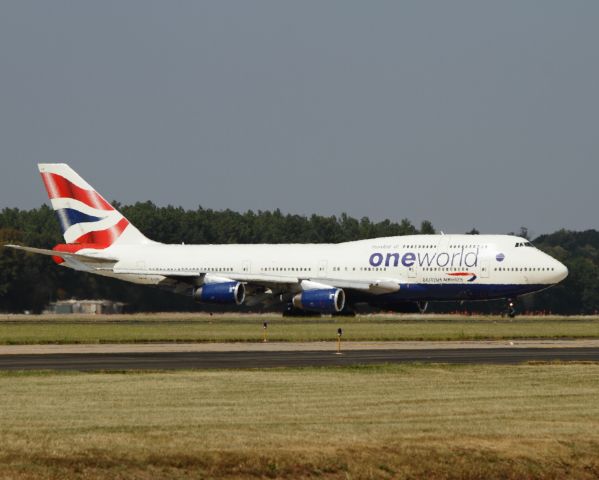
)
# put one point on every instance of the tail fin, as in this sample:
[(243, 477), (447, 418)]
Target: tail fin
[(84, 215)]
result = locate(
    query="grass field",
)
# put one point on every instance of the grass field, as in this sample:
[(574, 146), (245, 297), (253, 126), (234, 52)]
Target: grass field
[(248, 328), (414, 421)]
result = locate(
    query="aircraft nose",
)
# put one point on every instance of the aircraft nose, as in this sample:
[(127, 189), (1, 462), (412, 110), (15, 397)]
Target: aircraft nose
[(561, 271), (558, 272)]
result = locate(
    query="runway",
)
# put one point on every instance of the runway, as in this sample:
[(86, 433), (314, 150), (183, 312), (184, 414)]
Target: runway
[(240, 359)]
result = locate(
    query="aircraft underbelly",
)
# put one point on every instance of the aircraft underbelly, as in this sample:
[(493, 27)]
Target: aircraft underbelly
[(432, 292)]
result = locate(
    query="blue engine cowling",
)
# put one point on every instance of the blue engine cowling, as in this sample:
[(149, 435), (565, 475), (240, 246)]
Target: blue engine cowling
[(224, 292), (329, 300)]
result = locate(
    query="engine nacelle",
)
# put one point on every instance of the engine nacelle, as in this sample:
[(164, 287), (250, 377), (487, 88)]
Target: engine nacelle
[(329, 300), (224, 292)]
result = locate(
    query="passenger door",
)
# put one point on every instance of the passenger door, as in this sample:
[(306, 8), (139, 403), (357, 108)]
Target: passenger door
[(484, 268)]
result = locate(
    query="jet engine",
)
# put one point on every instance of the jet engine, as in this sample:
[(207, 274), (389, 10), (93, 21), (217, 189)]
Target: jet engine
[(329, 300), (223, 292)]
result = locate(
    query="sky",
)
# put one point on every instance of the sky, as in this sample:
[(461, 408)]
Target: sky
[(465, 113)]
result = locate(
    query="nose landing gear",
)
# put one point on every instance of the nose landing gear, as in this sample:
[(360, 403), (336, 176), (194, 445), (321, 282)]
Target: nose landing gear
[(511, 308)]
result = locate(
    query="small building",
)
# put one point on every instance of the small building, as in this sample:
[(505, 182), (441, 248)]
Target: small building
[(86, 307)]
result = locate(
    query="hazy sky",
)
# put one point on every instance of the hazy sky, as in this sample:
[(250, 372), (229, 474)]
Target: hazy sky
[(469, 114)]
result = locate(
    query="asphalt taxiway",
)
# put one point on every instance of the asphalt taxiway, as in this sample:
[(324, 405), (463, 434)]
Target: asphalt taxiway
[(210, 356)]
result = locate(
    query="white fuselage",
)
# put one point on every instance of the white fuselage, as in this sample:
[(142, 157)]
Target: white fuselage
[(427, 267)]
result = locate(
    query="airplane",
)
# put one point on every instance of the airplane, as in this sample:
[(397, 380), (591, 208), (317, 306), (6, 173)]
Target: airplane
[(391, 273)]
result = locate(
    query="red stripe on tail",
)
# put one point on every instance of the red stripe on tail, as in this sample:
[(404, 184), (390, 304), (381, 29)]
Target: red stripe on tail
[(60, 187), (104, 238)]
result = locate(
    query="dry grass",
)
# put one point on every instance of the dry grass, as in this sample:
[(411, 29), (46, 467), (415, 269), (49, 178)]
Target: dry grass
[(527, 421), (248, 328)]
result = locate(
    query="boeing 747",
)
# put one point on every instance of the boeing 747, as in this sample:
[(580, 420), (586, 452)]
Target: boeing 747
[(388, 272)]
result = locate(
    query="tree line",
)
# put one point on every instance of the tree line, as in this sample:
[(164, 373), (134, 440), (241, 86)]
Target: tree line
[(30, 282)]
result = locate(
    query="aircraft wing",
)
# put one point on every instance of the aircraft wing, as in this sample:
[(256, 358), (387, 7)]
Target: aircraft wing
[(274, 282), (376, 287), (277, 281)]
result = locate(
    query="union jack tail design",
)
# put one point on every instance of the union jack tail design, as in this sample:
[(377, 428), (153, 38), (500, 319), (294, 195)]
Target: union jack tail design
[(84, 216)]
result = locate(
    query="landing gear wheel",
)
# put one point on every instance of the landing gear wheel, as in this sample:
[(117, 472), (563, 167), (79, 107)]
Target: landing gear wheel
[(511, 309)]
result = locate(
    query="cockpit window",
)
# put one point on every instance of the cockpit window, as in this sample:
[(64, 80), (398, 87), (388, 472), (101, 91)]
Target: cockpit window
[(524, 244)]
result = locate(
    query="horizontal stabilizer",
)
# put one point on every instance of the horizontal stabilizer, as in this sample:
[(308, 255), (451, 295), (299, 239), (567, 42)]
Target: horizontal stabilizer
[(54, 253)]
